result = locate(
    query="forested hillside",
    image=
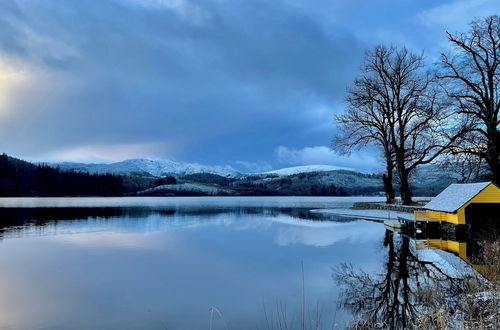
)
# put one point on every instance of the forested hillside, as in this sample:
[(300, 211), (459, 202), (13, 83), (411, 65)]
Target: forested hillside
[(428, 181), (21, 178)]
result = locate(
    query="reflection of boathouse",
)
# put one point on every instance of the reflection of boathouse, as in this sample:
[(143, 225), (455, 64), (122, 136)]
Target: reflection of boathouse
[(470, 203), (469, 251)]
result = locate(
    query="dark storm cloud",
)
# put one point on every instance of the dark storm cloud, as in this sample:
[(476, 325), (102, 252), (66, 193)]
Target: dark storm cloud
[(210, 81)]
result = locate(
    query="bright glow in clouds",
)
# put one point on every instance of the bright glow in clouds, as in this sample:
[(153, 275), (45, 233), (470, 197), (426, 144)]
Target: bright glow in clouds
[(107, 153), (12, 78), (254, 84)]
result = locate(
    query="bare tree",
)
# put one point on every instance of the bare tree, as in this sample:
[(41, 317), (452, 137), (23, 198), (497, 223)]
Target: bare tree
[(464, 163), (396, 101), (365, 123), (471, 77), (421, 129)]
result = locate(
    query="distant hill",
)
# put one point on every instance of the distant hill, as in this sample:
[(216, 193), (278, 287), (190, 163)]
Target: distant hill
[(303, 169), (166, 178), (310, 180), (157, 168), (430, 180), (160, 168), (315, 183)]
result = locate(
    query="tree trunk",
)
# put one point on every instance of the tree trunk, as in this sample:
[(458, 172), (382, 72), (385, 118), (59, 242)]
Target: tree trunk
[(403, 173), (388, 187), (405, 189), (493, 156)]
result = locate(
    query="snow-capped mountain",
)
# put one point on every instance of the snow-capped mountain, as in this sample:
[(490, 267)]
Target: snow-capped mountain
[(299, 180), (156, 168), (160, 168), (304, 169)]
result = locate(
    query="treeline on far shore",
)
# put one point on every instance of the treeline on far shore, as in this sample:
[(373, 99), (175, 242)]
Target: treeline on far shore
[(21, 178)]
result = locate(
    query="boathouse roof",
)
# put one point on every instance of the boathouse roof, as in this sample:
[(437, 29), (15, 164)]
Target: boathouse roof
[(455, 196)]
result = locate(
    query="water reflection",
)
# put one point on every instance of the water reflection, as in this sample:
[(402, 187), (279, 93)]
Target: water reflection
[(19, 222), (391, 299), (328, 234), (426, 277), (468, 244), (167, 265), (171, 265)]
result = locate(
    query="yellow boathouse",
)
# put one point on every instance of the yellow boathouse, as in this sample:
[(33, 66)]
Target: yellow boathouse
[(463, 204)]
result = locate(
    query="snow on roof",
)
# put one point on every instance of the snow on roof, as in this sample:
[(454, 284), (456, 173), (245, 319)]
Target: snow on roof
[(455, 196)]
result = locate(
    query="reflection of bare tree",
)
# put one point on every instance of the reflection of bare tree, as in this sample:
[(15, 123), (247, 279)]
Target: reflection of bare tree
[(392, 299)]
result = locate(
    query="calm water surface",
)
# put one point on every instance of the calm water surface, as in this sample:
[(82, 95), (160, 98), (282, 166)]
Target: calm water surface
[(177, 263)]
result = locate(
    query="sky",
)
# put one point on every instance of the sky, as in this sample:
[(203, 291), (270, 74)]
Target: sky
[(254, 84)]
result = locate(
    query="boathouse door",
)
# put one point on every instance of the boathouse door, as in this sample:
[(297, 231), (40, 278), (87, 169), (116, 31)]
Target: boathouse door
[(483, 216)]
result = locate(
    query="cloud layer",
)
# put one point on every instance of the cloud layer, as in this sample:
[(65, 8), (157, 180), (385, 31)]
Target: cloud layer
[(208, 81)]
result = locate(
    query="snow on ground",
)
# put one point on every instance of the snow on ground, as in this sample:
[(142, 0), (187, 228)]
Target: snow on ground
[(154, 167), (378, 215), (449, 263), (305, 169), (189, 187)]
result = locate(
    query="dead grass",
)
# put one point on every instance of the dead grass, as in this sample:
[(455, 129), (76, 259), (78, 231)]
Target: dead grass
[(491, 258)]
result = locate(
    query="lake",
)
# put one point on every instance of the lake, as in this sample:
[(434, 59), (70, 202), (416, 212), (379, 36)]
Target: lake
[(179, 263)]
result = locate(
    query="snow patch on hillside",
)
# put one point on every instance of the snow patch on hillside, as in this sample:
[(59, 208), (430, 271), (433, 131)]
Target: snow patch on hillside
[(156, 168), (305, 169), (187, 187)]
